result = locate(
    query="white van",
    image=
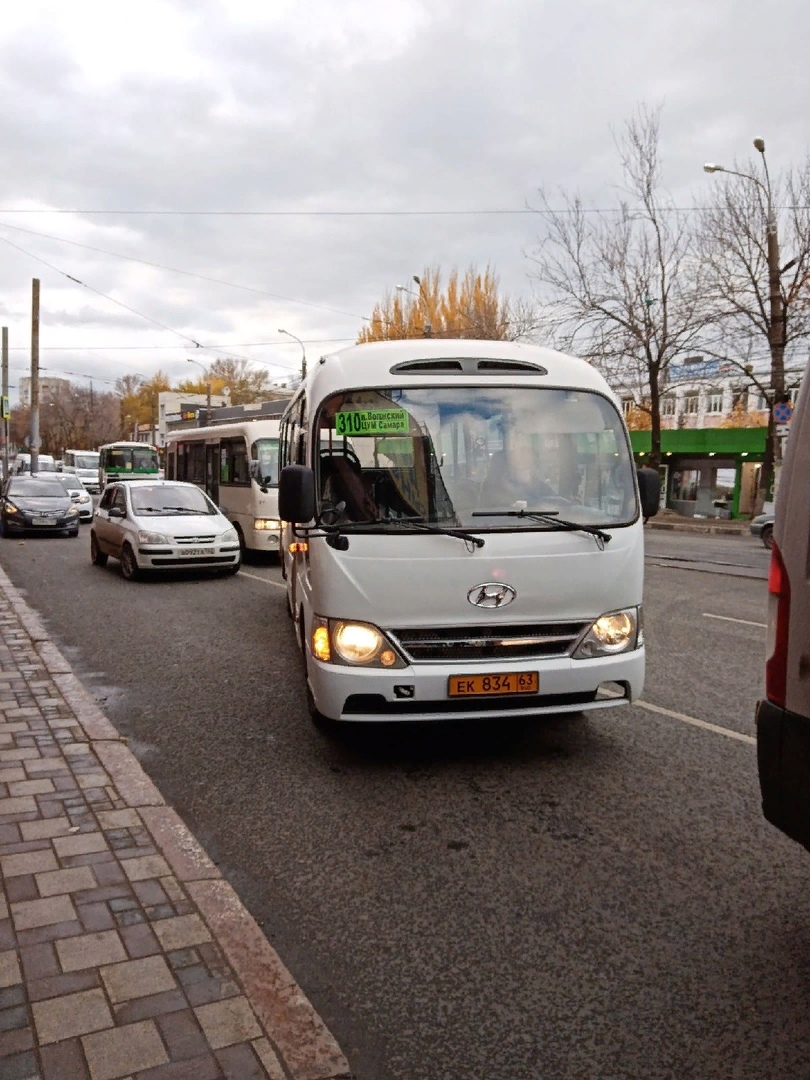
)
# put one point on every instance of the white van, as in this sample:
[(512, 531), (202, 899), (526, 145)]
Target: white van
[(22, 464), (84, 463), (783, 716), (462, 533)]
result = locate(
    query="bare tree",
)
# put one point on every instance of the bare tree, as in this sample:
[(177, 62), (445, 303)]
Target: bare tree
[(626, 288), (762, 318)]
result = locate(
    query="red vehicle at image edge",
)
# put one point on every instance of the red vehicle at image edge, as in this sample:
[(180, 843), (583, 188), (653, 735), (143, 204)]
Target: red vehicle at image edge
[(783, 716)]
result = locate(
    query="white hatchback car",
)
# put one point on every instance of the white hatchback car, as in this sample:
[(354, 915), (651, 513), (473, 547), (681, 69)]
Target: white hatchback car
[(162, 525), (81, 497)]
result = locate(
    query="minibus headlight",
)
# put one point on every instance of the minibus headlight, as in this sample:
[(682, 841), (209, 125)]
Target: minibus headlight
[(145, 537), (356, 643), (613, 633), (353, 644), (268, 524)]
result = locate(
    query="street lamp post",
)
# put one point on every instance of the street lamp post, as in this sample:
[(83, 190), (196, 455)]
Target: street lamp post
[(776, 321), (208, 377), (303, 351), (422, 297)]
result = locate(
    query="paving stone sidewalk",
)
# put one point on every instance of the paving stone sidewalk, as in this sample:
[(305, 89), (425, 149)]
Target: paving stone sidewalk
[(123, 952)]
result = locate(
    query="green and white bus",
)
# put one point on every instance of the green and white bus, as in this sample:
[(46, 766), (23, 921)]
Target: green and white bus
[(127, 461)]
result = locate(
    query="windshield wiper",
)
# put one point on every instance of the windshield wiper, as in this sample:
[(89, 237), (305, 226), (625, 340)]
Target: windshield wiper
[(418, 524), (184, 510), (550, 517)]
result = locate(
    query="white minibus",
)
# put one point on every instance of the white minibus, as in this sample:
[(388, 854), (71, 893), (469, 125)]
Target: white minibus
[(237, 466), (84, 463), (783, 715), (22, 464), (462, 533)]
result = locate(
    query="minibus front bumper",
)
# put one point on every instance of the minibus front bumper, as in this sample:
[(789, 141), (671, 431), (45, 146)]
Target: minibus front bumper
[(420, 692)]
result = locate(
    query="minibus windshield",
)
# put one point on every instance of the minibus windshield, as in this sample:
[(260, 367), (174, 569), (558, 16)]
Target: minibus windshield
[(448, 455)]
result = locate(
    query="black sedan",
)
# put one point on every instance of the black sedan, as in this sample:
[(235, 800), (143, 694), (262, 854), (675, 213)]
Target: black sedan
[(37, 504)]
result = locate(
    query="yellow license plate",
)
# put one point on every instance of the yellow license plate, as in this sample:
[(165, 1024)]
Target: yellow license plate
[(514, 682)]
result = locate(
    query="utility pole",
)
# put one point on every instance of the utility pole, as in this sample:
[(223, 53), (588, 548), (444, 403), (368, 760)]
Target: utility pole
[(6, 411), (35, 376)]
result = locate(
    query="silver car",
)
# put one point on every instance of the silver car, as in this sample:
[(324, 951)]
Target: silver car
[(82, 499), (162, 525), (762, 526)]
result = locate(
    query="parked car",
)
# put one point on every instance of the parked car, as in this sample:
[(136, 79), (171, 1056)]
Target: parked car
[(37, 504), (162, 525), (762, 526), (79, 494)]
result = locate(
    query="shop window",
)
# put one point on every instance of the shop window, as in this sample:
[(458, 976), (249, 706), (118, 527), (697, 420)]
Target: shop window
[(685, 483), (668, 405), (714, 402), (691, 404)]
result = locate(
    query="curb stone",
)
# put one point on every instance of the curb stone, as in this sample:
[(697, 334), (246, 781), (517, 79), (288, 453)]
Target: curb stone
[(295, 1043)]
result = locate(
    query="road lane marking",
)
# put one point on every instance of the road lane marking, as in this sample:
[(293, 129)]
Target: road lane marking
[(728, 618), (266, 581), (693, 720)]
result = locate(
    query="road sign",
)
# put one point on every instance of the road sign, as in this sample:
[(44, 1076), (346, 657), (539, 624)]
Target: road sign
[(6, 409), (782, 431), (782, 412)]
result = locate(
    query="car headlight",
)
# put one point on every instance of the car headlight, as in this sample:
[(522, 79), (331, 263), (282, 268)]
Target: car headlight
[(355, 644), (145, 537), (616, 632), (72, 511), (85, 498), (270, 524), (12, 509), (230, 536)]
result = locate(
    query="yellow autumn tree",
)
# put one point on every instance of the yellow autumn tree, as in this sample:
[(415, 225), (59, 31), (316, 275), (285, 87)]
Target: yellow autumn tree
[(638, 418), (740, 417), (471, 306), (138, 397)]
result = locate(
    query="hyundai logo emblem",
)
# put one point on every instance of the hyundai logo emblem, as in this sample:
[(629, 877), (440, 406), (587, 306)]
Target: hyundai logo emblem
[(492, 594)]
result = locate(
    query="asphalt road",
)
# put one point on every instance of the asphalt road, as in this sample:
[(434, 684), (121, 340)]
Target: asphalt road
[(577, 898)]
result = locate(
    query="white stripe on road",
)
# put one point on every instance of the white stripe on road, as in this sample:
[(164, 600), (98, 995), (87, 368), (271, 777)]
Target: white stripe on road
[(727, 618), (693, 720), (267, 581)]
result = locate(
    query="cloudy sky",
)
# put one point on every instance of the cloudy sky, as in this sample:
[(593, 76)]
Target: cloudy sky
[(229, 167)]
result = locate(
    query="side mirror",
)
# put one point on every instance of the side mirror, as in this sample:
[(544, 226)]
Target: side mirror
[(296, 494), (649, 490), (117, 512)]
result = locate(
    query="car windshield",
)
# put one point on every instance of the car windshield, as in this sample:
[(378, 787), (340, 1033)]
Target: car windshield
[(33, 488), (265, 451), (156, 499), (72, 483), (85, 461), (481, 458)]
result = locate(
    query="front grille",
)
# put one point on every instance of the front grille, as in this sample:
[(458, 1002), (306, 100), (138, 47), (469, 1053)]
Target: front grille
[(194, 540), (459, 643)]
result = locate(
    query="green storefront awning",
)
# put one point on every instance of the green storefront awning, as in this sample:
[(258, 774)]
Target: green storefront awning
[(726, 441)]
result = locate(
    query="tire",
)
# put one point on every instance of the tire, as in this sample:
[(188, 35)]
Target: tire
[(129, 567), (242, 544), (767, 536), (97, 556), (73, 535)]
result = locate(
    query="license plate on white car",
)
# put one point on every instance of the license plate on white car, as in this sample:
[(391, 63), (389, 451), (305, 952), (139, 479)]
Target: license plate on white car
[(43, 521), (200, 551)]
